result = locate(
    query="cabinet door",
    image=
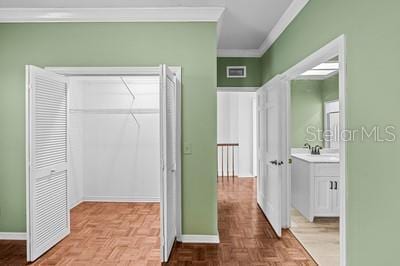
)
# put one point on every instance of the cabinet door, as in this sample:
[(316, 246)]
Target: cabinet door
[(323, 196), (336, 197)]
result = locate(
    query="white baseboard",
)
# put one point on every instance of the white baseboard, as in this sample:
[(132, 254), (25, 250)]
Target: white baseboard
[(121, 199), (75, 204), (212, 239), (12, 236)]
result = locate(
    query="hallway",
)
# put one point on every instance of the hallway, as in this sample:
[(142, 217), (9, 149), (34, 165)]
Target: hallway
[(246, 238)]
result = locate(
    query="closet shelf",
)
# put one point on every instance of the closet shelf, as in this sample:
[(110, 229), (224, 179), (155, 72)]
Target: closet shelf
[(115, 111)]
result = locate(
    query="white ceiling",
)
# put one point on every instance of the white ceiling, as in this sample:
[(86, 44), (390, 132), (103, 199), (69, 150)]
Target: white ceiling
[(245, 23)]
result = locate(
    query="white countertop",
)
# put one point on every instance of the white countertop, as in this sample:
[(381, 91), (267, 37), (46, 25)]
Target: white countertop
[(322, 158)]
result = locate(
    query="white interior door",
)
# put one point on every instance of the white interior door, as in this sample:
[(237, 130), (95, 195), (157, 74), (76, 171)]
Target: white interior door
[(168, 128), (270, 103), (47, 158)]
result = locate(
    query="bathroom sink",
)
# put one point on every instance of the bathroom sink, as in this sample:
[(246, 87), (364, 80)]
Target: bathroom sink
[(318, 158)]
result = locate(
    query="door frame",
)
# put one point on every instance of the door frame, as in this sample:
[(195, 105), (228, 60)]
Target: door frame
[(102, 71), (336, 47)]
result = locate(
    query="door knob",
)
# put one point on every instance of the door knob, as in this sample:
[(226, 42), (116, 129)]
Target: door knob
[(275, 162)]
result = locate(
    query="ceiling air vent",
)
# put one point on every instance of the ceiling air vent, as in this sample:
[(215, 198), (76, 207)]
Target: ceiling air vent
[(236, 72)]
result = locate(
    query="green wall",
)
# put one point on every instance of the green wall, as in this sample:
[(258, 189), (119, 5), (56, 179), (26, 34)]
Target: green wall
[(253, 69), (372, 59), (190, 45), (307, 107), (330, 89), (307, 110)]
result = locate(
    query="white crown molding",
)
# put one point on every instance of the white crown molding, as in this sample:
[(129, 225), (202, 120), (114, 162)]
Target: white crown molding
[(12, 236), (238, 53), (162, 14), (219, 25), (288, 16), (211, 239)]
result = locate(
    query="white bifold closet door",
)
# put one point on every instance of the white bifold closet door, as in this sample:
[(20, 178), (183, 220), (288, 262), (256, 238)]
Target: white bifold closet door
[(47, 189), (168, 128)]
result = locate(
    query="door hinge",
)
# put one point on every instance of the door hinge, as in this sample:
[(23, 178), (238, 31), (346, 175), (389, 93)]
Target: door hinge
[(290, 161)]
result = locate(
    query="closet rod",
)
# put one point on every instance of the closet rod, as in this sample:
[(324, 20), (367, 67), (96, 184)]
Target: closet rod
[(128, 88), (137, 122)]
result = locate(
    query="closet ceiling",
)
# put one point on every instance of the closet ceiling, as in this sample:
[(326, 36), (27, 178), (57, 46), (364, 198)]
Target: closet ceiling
[(245, 24)]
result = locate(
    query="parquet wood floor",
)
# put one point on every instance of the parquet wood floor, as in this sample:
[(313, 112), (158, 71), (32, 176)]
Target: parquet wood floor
[(101, 234), (128, 234), (246, 238)]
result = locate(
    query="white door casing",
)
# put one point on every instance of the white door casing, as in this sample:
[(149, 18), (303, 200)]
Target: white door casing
[(270, 103), (48, 219), (168, 129)]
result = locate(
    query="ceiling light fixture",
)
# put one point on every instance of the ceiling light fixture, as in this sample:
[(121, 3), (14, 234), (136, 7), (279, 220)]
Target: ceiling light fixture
[(326, 66), (315, 72)]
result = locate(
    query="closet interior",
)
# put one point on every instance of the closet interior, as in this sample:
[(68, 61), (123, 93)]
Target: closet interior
[(104, 135), (114, 139)]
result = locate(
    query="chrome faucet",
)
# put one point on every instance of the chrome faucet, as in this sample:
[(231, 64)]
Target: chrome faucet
[(316, 150)]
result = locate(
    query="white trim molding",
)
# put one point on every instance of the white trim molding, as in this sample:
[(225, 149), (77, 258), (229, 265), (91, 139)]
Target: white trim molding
[(210, 239), (157, 14), (120, 199), (75, 204), (237, 89), (12, 236), (288, 16)]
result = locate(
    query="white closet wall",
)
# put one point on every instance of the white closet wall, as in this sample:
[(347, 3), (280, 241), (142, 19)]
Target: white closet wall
[(235, 125), (76, 141), (113, 156)]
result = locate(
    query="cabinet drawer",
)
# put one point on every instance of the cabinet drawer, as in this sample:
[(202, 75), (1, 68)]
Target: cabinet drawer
[(327, 169)]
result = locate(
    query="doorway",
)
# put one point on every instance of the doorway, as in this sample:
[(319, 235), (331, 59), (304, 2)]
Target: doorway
[(315, 169), (85, 130), (275, 160), (235, 142)]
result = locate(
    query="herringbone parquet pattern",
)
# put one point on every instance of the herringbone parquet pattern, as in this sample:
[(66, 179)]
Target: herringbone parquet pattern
[(128, 234)]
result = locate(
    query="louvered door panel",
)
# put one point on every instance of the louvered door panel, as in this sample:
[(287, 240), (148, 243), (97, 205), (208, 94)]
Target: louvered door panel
[(171, 123), (51, 213), (50, 121), (168, 152), (48, 213)]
